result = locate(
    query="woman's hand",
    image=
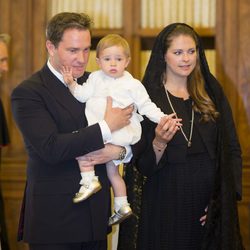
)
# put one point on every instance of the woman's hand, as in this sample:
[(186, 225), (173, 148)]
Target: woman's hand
[(108, 153), (204, 217), (167, 128), (164, 132)]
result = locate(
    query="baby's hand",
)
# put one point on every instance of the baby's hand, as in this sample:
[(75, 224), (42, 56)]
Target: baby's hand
[(66, 72)]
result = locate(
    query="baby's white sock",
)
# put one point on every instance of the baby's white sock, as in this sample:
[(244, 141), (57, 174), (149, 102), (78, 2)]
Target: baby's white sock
[(119, 202), (87, 177)]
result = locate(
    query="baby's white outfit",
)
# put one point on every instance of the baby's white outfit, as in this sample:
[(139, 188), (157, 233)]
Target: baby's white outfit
[(124, 91)]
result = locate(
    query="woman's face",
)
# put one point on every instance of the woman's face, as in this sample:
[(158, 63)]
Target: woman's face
[(181, 56)]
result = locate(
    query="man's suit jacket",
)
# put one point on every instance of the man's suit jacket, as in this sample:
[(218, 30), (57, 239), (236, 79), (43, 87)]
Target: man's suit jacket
[(54, 129), (4, 133), (4, 140)]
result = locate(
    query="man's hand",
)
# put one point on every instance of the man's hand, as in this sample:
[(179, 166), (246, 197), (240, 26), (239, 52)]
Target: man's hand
[(108, 153), (117, 118)]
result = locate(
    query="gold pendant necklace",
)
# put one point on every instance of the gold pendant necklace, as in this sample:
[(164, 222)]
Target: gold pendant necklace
[(189, 140)]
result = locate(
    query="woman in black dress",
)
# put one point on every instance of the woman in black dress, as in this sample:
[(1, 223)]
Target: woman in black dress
[(193, 175)]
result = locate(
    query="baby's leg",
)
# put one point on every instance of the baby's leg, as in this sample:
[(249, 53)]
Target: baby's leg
[(121, 205), (89, 183), (117, 182)]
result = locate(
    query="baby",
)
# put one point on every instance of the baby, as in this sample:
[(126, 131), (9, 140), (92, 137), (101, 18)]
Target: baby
[(112, 56)]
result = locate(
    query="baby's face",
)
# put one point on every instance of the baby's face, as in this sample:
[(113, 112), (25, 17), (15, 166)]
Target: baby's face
[(113, 61)]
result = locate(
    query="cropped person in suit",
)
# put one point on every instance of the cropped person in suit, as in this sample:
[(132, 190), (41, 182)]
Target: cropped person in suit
[(193, 175), (55, 132), (4, 134)]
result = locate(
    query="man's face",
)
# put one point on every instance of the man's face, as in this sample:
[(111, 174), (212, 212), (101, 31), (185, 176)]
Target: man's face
[(3, 58), (72, 51)]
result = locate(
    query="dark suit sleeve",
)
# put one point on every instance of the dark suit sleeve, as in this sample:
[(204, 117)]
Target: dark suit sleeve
[(233, 145), (4, 133), (48, 130)]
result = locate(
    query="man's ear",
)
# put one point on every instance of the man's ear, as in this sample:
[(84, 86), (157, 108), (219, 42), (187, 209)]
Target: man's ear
[(50, 47)]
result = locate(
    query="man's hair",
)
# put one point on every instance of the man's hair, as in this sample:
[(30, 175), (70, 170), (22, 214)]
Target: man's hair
[(110, 41), (66, 20), (5, 38)]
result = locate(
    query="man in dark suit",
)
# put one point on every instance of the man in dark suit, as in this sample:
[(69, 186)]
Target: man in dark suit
[(55, 132), (4, 136)]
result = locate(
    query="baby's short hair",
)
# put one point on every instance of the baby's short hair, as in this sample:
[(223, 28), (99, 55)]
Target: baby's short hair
[(112, 40)]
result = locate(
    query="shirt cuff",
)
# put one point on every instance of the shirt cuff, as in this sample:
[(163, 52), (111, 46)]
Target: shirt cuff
[(127, 158), (106, 133)]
